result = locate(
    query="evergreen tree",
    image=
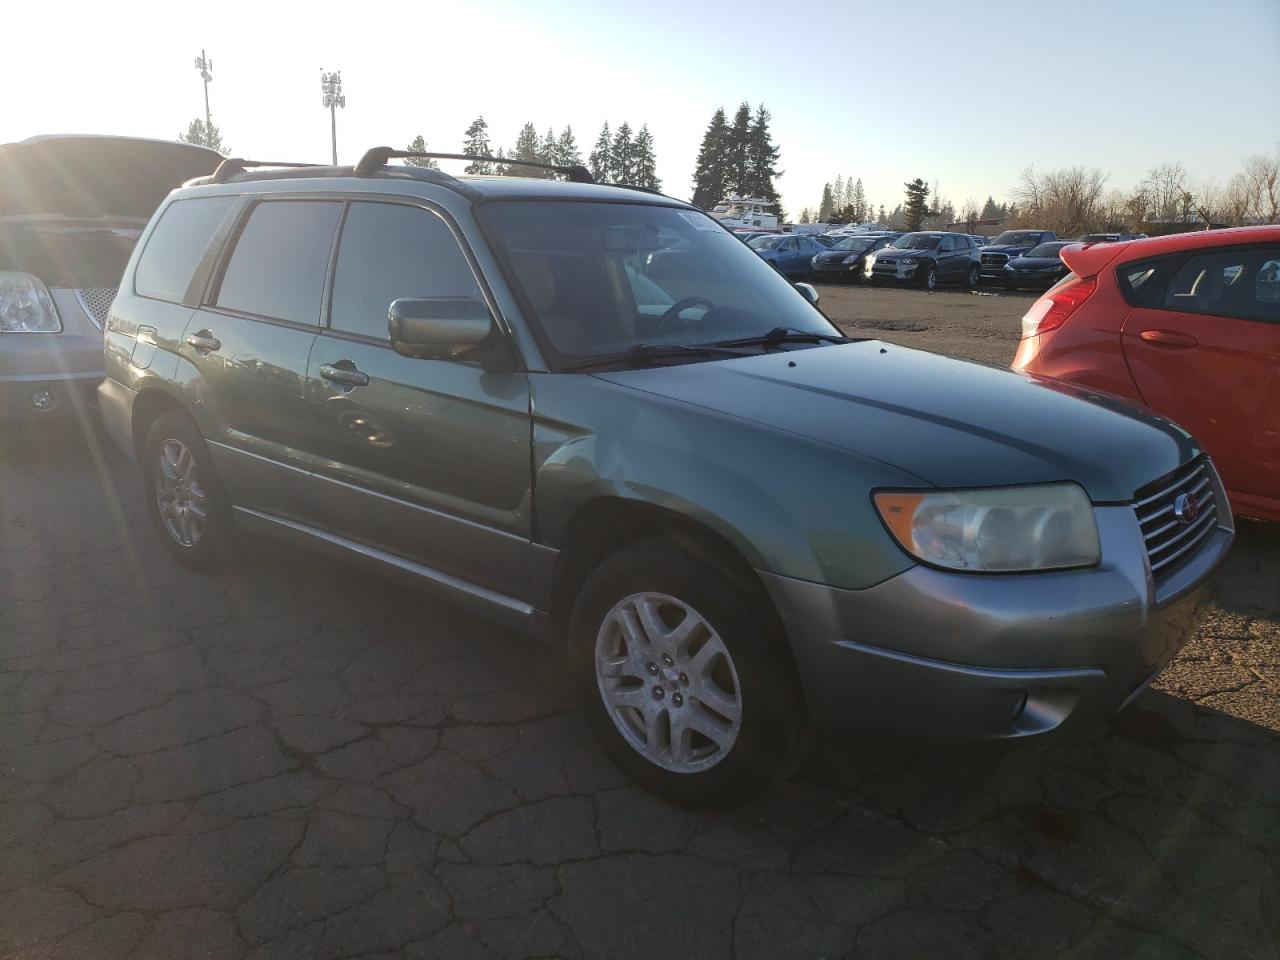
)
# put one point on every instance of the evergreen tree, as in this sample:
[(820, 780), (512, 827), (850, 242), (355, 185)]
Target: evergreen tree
[(206, 136), (989, 210), (548, 147), (710, 176), (600, 161), (419, 145), (762, 158), (837, 196), (567, 152), (825, 208), (858, 201), (806, 215), (737, 147), (882, 219), (500, 169), (528, 147), (645, 173), (624, 155), (476, 144), (917, 206)]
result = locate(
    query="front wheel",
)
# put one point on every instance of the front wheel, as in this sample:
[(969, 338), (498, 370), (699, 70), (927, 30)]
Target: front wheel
[(184, 498), (971, 281), (685, 678), (928, 276)]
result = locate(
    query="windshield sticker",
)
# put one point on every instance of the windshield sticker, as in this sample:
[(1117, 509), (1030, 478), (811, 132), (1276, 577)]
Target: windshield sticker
[(699, 221)]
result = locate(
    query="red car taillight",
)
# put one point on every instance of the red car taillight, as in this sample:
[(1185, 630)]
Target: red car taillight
[(1051, 311)]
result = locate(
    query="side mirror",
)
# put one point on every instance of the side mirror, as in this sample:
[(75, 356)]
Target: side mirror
[(810, 292), (443, 328)]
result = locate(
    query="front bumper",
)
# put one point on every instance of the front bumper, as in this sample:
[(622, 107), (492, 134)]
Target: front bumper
[(46, 375), (837, 271), (893, 271), (936, 654), (1031, 278)]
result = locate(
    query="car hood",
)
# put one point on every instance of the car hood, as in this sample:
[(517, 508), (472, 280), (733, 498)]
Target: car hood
[(1035, 263), (952, 423), (838, 255), (95, 178)]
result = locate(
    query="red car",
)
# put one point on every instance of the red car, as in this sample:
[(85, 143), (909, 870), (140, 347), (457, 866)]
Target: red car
[(1187, 325)]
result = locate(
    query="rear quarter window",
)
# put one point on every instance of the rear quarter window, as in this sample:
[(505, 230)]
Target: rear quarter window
[(176, 245), (1138, 280)]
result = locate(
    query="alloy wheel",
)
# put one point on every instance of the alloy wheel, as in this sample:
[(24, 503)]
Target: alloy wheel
[(668, 682), (183, 504)]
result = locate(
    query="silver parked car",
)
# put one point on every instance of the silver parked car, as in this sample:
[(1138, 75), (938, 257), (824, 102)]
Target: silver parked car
[(71, 209)]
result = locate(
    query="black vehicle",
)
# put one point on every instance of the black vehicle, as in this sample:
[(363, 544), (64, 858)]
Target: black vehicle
[(847, 257), (1010, 244), (925, 259), (1039, 269)]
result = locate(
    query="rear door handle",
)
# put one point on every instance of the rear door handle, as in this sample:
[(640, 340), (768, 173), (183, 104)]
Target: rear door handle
[(204, 342), (347, 375), (1169, 338)]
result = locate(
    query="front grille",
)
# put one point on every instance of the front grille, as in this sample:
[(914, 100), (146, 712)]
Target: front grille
[(994, 259), (96, 302), (1161, 509)]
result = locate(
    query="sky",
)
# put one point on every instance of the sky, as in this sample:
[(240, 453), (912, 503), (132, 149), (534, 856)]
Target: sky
[(955, 92)]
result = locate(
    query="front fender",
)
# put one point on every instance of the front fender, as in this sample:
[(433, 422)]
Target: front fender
[(791, 506)]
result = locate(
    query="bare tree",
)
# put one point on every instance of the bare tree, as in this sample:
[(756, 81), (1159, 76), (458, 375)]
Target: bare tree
[(1068, 200), (1262, 183), (1166, 190)]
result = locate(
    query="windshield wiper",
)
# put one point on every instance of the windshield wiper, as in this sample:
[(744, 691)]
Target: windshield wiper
[(780, 335), (643, 354)]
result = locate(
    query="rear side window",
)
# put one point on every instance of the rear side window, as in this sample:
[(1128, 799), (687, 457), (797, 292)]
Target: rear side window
[(389, 251), (176, 246), (1242, 283), (278, 267)]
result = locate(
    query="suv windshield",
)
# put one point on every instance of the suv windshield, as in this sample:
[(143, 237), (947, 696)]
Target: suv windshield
[(917, 241), (855, 244), (601, 278), (1016, 238)]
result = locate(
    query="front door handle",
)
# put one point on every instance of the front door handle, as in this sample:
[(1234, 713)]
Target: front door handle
[(204, 342), (1169, 338), (345, 373)]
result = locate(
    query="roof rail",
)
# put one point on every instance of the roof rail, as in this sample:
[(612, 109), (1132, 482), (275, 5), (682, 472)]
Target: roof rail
[(231, 166), (375, 158)]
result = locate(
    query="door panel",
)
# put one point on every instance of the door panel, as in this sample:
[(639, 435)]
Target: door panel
[(429, 460), (1218, 376)]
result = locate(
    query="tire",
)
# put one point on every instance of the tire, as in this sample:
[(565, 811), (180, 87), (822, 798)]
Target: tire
[(971, 281), (746, 692), (929, 276), (187, 505)]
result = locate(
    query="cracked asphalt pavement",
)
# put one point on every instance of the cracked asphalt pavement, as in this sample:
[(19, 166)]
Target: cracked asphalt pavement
[(297, 759)]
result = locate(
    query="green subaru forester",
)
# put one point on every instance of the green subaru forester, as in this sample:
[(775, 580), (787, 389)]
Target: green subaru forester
[(591, 412)]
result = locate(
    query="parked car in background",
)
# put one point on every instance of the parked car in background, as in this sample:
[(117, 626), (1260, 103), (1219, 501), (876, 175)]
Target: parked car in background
[(1188, 325), (1110, 237), (824, 240), (71, 208), (925, 259), (979, 241), (1010, 244), (790, 255), (846, 259), (1039, 268), (732, 521)]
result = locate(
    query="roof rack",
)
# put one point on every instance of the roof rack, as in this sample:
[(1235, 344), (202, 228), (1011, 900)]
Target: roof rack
[(231, 166), (375, 158)]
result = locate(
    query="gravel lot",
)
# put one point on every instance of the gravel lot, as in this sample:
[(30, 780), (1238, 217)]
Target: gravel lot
[(300, 760)]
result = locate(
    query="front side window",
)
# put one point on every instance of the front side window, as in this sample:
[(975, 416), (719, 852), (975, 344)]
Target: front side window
[(388, 251), (1232, 283), (176, 246), (278, 267), (601, 278)]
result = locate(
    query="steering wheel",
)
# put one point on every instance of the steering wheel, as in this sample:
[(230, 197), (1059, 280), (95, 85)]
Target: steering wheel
[(672, 313)]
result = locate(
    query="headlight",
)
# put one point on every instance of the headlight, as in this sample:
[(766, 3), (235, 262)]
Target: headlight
[(850, 260), (909, 261), (996, 530), (25, 305)]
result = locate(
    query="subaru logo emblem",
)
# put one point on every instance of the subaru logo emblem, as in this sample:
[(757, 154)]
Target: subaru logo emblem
[(1185, 508)]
